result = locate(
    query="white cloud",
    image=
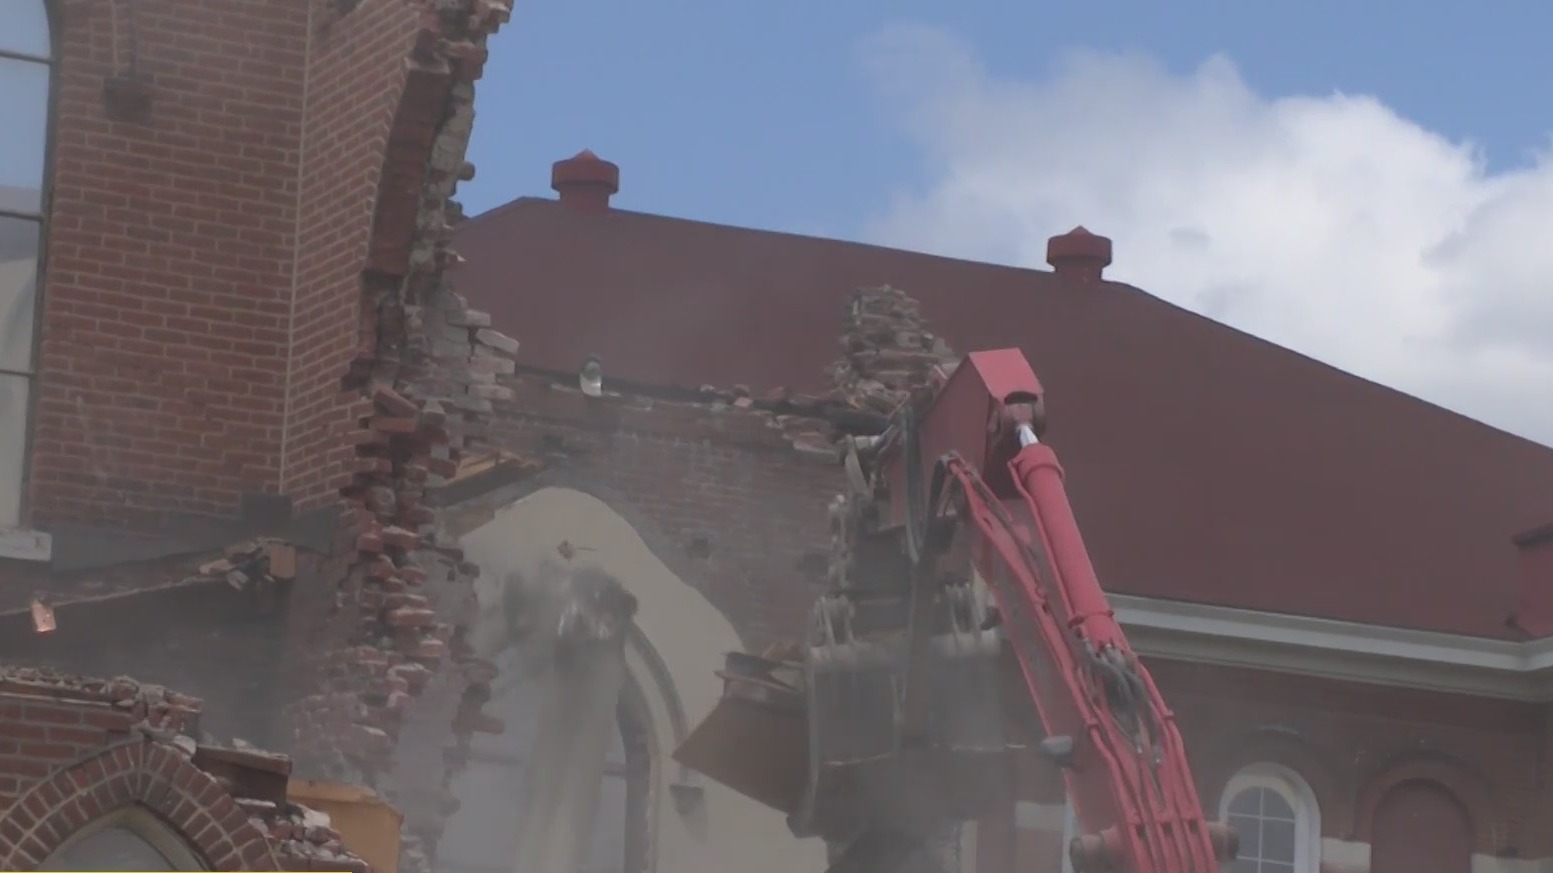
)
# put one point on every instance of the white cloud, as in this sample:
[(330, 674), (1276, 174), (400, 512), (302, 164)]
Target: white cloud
[(1329, 225)]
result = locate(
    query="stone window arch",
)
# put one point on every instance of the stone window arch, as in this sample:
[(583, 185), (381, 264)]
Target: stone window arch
[(26, 80), (1277, 817), (130, 838)]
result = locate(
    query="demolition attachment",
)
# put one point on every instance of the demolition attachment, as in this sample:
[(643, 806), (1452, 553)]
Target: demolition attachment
[(957, 562)]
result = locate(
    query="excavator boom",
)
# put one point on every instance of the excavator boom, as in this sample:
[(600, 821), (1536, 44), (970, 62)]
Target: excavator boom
[(897, 678), (1106, 724)]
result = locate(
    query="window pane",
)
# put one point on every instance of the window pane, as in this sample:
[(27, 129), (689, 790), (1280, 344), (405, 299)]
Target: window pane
[(13, 445), (1250, 831), (26, 29), (113, 848), (1278, 840), (18, 292), (1275, 805), (1247, 802), (24, 104)]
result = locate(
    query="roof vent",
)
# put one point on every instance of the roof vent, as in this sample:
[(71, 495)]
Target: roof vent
[(1079, 254), (585, 181)]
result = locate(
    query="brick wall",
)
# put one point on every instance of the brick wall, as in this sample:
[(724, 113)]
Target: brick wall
[(334, 258), (73, 750), (722, 493), (206, 640), (166, 297), (1349, 741), (734, 506), (355, 79), (203, 296)]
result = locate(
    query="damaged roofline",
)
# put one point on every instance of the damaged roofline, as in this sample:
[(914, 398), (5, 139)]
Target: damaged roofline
[(843, 417), (1327, 648)]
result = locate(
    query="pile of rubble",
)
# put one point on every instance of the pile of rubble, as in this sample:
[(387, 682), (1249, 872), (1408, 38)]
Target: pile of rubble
[(156, 710), (302, 837), (889, 356)]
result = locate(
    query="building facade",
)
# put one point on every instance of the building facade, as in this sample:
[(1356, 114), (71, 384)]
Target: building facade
[(1360, 679), (222, 222), (254, 446)]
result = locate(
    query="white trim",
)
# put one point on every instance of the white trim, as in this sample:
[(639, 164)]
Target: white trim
[(1069, 834), (1338, 649), (968, 847), (1293, 789), (21, 544)]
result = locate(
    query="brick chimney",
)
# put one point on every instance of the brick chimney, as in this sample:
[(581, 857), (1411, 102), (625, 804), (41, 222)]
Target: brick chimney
[(1079, 254), (585, 181)]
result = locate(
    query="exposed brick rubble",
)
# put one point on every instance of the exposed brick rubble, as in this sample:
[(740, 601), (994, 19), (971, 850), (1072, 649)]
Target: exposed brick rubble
[(303, 838), (299, 838), (429, 366), (889, 354)]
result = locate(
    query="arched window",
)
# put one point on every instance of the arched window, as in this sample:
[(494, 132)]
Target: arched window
[(1277, 818), (130, 839), (26, 73)]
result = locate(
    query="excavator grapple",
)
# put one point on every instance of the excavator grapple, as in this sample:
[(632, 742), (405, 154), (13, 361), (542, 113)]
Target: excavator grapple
[(866, 765), (956, 563)]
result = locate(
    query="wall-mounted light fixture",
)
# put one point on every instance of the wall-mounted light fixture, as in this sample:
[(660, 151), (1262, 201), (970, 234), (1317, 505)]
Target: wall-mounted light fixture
[(43, 621), (591, 378)]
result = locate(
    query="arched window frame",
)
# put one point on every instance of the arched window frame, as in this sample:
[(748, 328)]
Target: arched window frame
[(1069, 833), (14, 509), (143, 824), (1297, 792)]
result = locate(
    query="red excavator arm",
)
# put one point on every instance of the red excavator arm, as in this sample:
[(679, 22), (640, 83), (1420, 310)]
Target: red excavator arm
[(890, 724), (978, 446)]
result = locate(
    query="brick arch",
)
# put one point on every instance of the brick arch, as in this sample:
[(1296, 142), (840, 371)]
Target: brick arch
[(1284, 748), (440, 59), (1470, 788), (140, 773)]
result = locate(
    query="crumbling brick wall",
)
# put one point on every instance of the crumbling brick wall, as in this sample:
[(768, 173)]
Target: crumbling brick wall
[(74, 749), (737, 484), (425, 365), (730, 496), (356, 79), (244, 287), (209, 222)]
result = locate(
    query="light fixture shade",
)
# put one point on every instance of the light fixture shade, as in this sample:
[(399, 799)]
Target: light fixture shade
[(42, 617), (591, 379)]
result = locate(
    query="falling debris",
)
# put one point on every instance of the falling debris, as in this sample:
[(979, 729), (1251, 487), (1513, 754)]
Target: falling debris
[(569, 625)]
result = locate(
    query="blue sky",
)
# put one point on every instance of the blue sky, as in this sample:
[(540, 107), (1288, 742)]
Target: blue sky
[(1367, 183), (760, 114)]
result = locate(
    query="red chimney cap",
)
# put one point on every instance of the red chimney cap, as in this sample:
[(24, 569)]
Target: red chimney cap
[(584, 169), (1079, 253)]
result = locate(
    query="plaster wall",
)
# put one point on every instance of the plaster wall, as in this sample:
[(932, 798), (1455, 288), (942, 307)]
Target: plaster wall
[(693, 824)]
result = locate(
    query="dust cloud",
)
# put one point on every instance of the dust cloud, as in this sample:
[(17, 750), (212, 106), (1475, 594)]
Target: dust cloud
[(568, 625)]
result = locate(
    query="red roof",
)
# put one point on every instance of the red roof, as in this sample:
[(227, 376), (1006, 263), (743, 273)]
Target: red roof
[(1204, 464)]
